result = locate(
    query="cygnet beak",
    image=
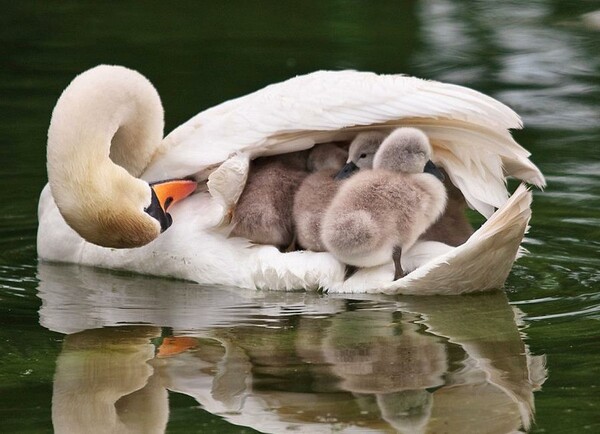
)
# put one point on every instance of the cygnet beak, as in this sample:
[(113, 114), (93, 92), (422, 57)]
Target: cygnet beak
[(165, 194), (347, 171), (432, 168)]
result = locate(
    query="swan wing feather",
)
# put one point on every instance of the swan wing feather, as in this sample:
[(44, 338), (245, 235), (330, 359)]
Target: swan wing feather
[(469, 130)]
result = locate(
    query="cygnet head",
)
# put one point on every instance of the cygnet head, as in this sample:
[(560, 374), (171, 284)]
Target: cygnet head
[(361, 152), (406, 150), (326, 157)]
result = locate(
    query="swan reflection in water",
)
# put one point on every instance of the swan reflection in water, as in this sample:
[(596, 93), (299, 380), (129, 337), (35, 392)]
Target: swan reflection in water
[(278, 361)]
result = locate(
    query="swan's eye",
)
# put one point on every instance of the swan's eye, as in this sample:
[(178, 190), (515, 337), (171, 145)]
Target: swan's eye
[(363, 156)]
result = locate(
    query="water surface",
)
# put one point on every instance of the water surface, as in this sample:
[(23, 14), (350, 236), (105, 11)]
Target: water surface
[(125, 351)]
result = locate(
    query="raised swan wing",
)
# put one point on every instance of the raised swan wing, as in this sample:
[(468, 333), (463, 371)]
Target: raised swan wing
[(469, 131)]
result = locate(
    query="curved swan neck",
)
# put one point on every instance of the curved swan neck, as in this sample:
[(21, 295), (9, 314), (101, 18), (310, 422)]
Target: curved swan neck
[(107, 110), (105, 129)]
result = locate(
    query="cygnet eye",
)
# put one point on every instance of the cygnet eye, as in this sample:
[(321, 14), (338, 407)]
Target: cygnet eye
[(362, 156)]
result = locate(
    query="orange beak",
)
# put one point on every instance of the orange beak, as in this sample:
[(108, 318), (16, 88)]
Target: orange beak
[(172, 191), (176, 345)]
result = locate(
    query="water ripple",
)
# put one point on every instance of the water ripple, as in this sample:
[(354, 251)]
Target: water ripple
[(592, 312)]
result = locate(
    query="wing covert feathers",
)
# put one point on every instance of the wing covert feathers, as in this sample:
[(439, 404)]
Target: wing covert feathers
[(469, 130)]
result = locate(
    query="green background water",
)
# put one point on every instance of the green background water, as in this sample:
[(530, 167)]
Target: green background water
[(540, 57)]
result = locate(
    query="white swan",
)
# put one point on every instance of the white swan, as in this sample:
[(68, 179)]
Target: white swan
[(468, 131)]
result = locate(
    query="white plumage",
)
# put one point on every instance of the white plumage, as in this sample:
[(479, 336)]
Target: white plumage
[(468, 131)]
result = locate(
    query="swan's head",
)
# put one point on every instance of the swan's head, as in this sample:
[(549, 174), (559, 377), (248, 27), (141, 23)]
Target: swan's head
[(406, 150), (121, 211), (361, 153), (105, 129)]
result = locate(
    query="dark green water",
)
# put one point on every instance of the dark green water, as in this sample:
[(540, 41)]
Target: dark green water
[(78, 345)]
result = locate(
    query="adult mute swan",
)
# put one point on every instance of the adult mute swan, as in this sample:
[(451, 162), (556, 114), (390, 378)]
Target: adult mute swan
[(105, 147)]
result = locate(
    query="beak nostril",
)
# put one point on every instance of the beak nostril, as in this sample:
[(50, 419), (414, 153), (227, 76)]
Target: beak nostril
[(168, 202)]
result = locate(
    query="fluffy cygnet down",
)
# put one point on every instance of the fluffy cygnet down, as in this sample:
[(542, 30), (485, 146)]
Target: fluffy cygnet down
[(391, 205), (263, 213), (315, 194), (453, 227)]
